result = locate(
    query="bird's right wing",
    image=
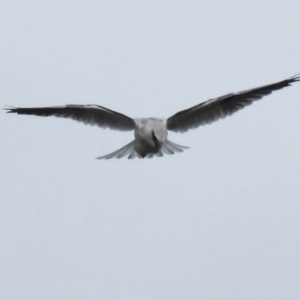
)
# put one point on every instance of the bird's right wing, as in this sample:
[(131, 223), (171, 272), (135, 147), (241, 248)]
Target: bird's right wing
[(88, 114), (215, 109)]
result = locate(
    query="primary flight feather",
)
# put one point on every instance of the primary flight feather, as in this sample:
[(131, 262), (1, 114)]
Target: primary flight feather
[(151, 133)]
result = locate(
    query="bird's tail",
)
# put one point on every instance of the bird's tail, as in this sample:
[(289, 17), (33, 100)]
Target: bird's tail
[(171, 148), (128, 150), (168, 147), (124, 151)]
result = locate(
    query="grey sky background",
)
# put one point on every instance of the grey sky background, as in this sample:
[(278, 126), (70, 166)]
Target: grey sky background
[(219, 221)]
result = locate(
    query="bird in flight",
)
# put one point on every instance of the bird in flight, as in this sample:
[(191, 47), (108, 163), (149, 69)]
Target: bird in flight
[(150, 134)]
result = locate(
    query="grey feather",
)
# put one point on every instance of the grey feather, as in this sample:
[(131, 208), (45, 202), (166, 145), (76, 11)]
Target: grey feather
[(87, 114), (221, 107)]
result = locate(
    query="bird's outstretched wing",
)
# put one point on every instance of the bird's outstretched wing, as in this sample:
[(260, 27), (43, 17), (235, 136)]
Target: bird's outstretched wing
[(88, 114), (215, 109)]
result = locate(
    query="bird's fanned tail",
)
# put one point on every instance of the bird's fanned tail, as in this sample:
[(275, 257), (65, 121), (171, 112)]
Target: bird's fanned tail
[(168, 148), (128, 150), (125, 150)]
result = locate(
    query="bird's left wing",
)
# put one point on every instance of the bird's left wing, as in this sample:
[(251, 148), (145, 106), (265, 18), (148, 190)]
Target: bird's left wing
[(215, 109), (88, 114)]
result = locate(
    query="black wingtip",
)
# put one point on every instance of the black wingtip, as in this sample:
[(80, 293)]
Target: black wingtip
[(9, 109), (295, 78)]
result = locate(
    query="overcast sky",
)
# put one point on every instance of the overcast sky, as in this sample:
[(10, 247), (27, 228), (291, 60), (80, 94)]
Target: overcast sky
[(218, 221)]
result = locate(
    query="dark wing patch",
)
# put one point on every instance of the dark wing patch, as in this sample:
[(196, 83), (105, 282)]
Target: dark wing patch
[(87, 114), (221, 107)]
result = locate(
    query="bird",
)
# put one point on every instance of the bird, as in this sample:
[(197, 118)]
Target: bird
[(151, 134)]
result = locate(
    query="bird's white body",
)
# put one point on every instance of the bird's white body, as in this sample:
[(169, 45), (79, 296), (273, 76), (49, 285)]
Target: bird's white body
[(150, 138), (151, 134)]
